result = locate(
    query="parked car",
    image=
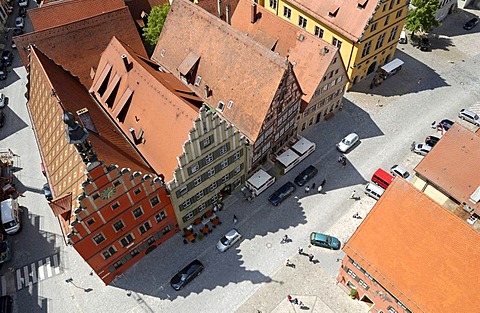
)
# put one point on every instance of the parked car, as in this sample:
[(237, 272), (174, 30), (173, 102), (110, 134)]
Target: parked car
[(400, 171), (47, 192), (2, 100), (7, 57), (282, 193), (431, 141), (471, 24), (17, 32), (23, 3), (347, 142), (228, 240), (5, 251), (186, 275), (306, 175), (422, 149), (3, 72), (22, 12), (469, 116), (374, 191), (19, 22), (324, 241), (445, 124), (2, 118)]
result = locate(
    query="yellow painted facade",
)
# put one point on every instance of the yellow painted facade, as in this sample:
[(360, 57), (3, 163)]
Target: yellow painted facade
[(364, 56)]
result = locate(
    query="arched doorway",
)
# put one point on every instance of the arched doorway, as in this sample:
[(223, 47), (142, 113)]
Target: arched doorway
[(150, 249), (371, 68), (387, 59), (355, 80)]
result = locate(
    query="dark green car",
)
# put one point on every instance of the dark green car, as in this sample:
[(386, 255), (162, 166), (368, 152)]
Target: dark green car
[(324, 241)]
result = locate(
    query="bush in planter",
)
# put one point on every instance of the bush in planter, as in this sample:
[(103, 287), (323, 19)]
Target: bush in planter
[(353, 293)]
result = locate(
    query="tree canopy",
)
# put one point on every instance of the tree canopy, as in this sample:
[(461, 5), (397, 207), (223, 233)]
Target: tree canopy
[(422, 17), (156, 19)]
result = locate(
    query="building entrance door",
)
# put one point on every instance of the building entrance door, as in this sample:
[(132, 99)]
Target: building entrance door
[(371, 68)]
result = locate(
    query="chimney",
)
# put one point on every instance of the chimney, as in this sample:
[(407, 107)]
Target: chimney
[(227, 14), (125, 62), (219, 8), (254, 13), (207, 91)]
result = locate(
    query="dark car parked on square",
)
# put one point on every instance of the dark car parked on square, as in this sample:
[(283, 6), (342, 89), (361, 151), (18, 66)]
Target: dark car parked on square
[(306, 175), (471, 24), (186, 275), (7, 57), (282, 193), (431, 140), (3, 72), (445, 124)]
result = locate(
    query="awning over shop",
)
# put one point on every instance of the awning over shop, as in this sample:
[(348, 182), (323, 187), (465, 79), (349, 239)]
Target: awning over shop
[(303, 145), (287, 158), (392, 65)]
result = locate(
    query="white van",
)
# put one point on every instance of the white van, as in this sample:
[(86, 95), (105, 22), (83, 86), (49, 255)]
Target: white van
[(374, 191), (10, 213)]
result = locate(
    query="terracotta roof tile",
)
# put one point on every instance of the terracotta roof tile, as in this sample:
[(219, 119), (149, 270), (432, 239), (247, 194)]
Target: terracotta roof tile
[(138, 6), (211, 6), (77, 46), (160, 106), (453, 164), (64, 12), (302, 48), (109, 143), (235, 67), (423, 254), (349, 19)]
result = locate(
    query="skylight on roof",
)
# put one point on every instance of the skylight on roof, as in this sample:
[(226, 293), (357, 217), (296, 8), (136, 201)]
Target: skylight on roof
[(220, 106)]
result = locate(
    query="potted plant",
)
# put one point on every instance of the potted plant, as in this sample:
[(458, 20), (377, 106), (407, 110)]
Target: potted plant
[(353, 293)]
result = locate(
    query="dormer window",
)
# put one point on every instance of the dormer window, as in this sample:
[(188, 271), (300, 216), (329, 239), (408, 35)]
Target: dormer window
[(361, 4), (188, 67), (198, 80), (230, 104), (220, 106), (332, 12)]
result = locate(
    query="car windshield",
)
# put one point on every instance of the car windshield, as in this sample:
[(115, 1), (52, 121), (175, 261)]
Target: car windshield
[(345, 141), (183, 277), (224, 241), (329, 240)]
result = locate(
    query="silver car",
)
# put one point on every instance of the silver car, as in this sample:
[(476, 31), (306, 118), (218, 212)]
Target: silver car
[(469, 116), (422, 149), (228, 240), (347, 142), (397, 170)]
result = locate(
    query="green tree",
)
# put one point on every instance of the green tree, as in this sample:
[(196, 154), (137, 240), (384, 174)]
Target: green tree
[(422, 17), (156, 19)]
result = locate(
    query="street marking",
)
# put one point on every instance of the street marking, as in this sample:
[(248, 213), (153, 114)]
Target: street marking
[(55, 264), (41, 272), (19, 279), (4, 285), (34, 273), (49, 268), (27, 276)]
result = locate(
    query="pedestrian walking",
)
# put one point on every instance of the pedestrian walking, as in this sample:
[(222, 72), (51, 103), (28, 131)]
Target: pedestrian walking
[(295, 301), (354, 195), (310, 257), (235, 220), (323, 182), (307, 189), (300, 250), (289, 298), (290, 264), (344, 162), (313, 186)]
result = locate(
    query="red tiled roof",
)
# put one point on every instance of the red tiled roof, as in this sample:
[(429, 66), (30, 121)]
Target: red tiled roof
[(160, 106), (302, 49), (454, 164), (235, 67), (62, 204), (211, 6), (138, 6), (58, 13), (421, 253), (109, 143), (350, 20), (77, 46)]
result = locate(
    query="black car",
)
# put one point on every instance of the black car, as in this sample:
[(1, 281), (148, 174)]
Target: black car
[(282, 193), (7, 57), (17, 32), (471, 24), (431, 141), (3, 72), (306, 175), (22, 12), (47, 192), (445, 124), (186, 275), (2, 118)]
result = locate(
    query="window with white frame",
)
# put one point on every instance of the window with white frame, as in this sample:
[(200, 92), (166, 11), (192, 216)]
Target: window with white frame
[(224, 164), (223, 150), (318, 32), (160, 216), (302, 21), (109, 252), (200, 195), (287, 12), (209, 158), (197, 181), (213, 186), (211, 172), (98, 239), (137, 212), (238, 169), (237, 155), (195, 168), (125, 241), (154, 201), (145, 227), (273, 4), (187, 203), (118, 225), (226, 178), (337, 43)]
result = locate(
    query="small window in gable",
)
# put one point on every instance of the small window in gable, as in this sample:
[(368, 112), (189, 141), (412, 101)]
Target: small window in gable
[(198, 80), (230, 104)]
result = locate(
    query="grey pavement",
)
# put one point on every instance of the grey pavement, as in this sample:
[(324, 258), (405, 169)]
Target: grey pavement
[(251, 275)]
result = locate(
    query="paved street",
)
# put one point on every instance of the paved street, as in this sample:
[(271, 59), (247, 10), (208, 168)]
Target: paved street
[(252, 275)]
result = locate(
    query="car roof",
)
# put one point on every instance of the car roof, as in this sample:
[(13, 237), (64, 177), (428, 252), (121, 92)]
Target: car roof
[(351, 136), (319, 236), (232, 233)]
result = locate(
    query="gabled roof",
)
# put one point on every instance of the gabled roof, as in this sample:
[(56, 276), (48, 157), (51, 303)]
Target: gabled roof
[(136, 8), (160, 105), (345, 16), (421, 253), (233, 66), (211, 6), (108, 142), (58, 13), (310, 55), (77, 46), (454, 164)]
